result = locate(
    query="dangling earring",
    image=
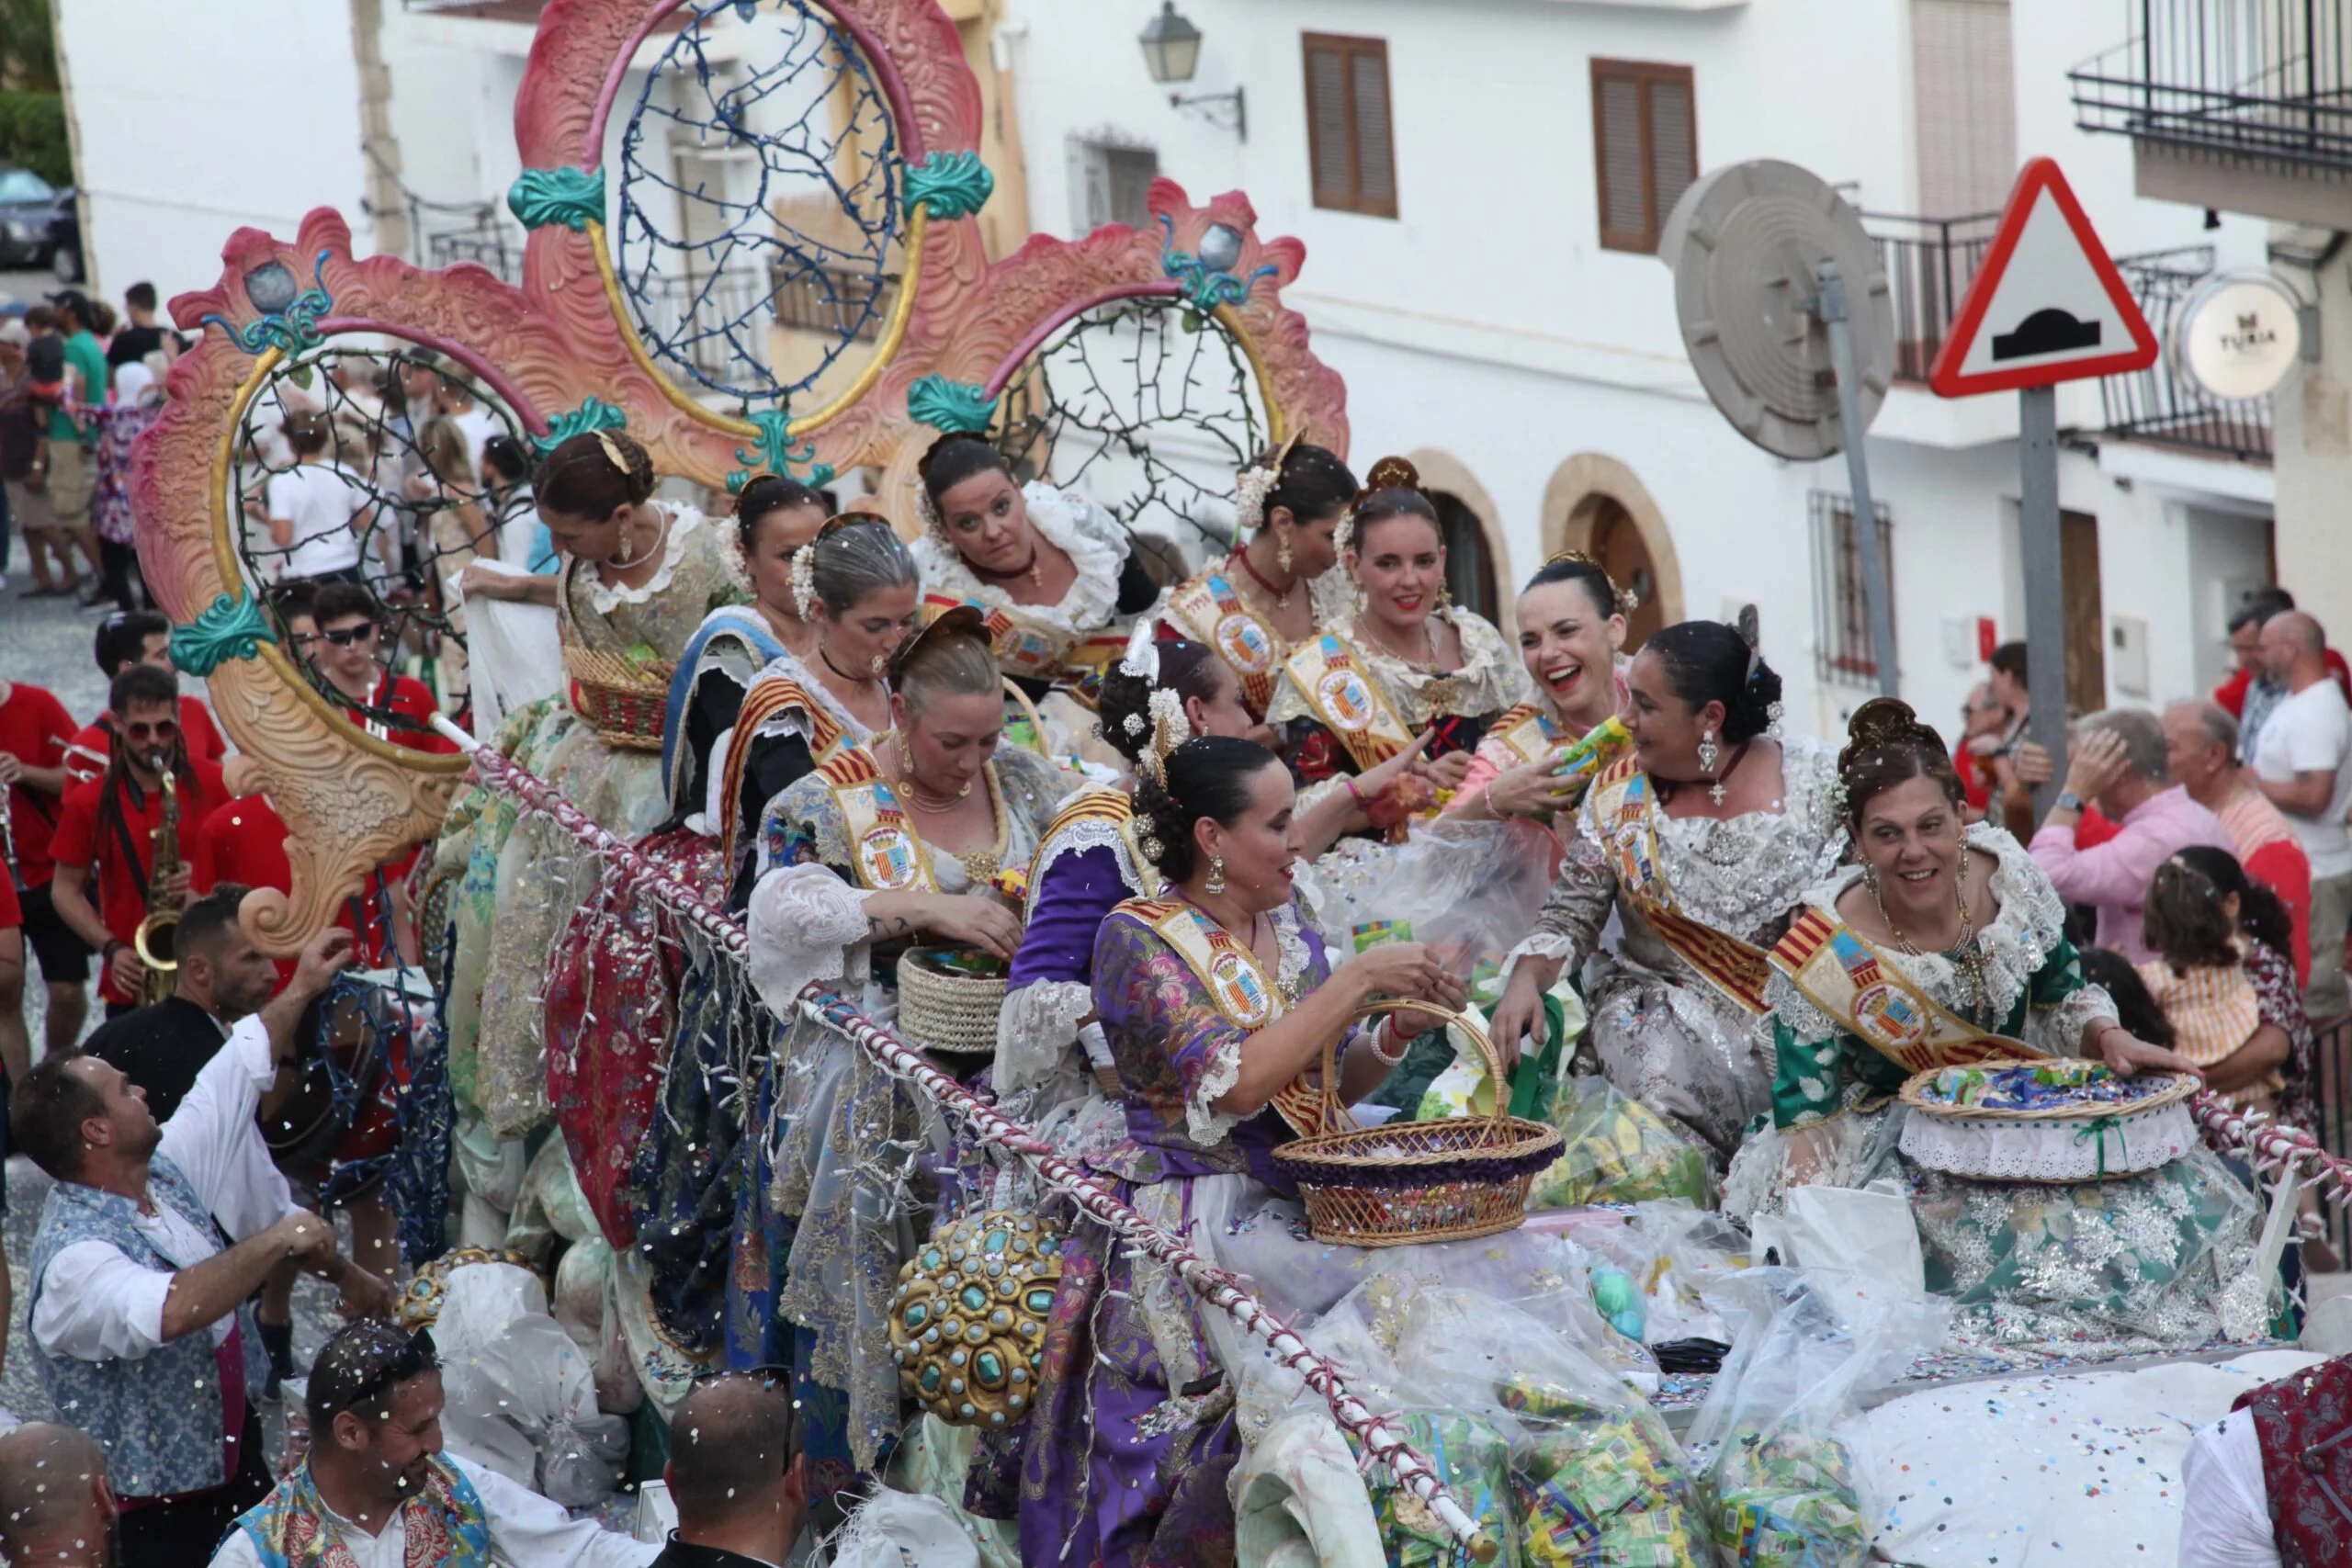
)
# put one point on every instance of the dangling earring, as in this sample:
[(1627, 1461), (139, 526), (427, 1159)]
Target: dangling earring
[(1869, 878), (1444, 596), (1216, 884), (1707, 755), (1281, 550)]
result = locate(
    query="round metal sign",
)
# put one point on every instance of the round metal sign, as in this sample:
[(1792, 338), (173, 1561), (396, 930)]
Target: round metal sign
[(2238, 335)]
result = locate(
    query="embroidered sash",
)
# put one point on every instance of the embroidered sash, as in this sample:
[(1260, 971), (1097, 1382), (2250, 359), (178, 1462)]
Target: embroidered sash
[(885, 853), (444, 1525), (1526, 732), (1347, 701), (1237, 984), (1031, 649), (769, 697), (1211, 613), (1111, 805), (1620, 806), (1872, 1000)]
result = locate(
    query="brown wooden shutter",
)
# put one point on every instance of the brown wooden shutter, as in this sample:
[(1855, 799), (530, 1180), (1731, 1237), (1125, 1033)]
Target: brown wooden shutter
[(1349, 137), (1646, 148)]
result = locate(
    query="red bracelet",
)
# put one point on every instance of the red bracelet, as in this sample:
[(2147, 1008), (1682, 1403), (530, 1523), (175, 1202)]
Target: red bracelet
[(1355, 795)]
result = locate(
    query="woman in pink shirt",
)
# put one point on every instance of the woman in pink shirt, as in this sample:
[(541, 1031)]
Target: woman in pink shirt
[(1571, 629)]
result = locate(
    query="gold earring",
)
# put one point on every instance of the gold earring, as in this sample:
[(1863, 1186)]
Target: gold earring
[(1281, 550), (1216, 884)]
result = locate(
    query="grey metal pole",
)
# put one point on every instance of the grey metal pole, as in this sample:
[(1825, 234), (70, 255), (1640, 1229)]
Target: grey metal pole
[(1858, 476), (2045, 581)]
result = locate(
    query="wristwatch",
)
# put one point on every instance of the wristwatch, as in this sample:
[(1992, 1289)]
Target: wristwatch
[(2068, 801)]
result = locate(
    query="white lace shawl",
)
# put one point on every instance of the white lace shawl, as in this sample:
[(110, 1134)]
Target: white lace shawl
[(1093, 539), (2019, 942), (1490, 679), (682, 521), (1205, 1124)]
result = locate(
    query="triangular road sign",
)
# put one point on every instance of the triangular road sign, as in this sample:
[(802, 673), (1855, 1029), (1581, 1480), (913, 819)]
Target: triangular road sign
[(2047, 305)]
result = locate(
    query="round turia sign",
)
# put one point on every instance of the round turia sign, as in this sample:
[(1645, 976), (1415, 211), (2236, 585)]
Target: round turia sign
[(2238, 335)]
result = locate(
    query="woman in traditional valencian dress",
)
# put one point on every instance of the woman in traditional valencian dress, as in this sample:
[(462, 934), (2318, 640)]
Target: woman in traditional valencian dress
[(698, 1187), (1273, 593), (1703, 841), (1055, 576), (639, 576), (1217, 1000), (1162, 691), (1571, 626), (905, 836), (1946, 946), (1358, 692)]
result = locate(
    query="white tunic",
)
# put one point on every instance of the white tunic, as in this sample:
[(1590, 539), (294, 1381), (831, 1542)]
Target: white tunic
[(527, 1530), (2225, 1516), (97, 1304)]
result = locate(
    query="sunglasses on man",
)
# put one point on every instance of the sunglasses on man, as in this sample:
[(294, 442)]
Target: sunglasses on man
[(344, 636), (162, 731)]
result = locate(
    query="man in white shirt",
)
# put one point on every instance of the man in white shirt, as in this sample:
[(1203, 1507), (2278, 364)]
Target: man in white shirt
[(316, 510), (376, 1475), (2300, 763), (134, 1302), (56, 1509)]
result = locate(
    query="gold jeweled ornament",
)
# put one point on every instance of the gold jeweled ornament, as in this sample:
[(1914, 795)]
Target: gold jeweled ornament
[(968, 1321)]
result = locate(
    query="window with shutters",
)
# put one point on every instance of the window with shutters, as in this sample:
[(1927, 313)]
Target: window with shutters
[(1349, 147), (1112, 181), (1842, 651), (1646, 148)]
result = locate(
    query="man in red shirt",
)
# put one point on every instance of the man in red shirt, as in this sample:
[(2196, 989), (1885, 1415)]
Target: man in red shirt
[(350, 635), (34, 730), (11, 1007), (140, 636), (105, 837)]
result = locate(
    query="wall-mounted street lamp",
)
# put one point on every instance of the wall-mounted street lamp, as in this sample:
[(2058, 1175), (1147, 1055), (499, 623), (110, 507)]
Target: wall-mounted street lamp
[(1171, 51)]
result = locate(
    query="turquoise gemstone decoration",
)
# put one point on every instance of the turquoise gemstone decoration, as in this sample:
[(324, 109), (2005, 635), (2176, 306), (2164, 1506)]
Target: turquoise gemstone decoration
[(988, 1366), (1019, 1374), (930, 1380), (1049, 1244), (1000, 1318), (917, 1314), (931, 1259), (1041, 1301), (1016, 1401), (955, 1385), (977, 1334), (1037, 1361), (976, 1298), (955, 1358), (996, 1241)]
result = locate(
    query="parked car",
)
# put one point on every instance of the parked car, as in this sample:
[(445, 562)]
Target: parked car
[(40, 224)]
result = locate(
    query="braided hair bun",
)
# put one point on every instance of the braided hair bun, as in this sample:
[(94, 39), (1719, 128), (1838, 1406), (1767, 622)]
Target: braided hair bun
[(1207, 776), (1886, 745)]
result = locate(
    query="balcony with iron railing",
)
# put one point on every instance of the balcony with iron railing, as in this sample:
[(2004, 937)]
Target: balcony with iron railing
[(1930, 262), (2162, 407), (2238, 105)]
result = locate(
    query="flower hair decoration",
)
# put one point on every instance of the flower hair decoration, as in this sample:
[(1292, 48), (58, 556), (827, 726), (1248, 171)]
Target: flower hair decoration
[(804, 579), (1170, 730), (1625, 599), (1255, 484)]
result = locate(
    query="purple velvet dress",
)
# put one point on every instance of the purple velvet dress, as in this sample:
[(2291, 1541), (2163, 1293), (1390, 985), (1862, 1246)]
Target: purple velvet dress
[(1086, 865), (1120, 1469)]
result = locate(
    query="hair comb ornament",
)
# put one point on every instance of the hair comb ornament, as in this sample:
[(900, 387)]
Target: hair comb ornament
[(958, 620), (613, 450), (1389, 473), (1256, 482), (1170, 730), (1750, 628)]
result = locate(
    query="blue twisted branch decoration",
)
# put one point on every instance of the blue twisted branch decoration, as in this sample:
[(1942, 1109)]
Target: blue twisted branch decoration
[(594, 414), (954, 184), (289, 322), (778, 454), (574, 198), (232, 627), (952, 408), (1205, 288)]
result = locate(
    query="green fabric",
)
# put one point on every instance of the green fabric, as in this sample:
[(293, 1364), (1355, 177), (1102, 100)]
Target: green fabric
[(81, 354), (1427, 1056), (1810, 1075), (1534, 1077)]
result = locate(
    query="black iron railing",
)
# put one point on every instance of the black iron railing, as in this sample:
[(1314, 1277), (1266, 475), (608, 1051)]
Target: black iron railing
[(1928, 263), (833, 302), (486, 242), (2161, 406), (2264, 81), (2331, 1054)]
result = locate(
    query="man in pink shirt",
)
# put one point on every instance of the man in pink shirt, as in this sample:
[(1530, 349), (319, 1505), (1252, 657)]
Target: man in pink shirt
[(2201, 752), (2118, 759)]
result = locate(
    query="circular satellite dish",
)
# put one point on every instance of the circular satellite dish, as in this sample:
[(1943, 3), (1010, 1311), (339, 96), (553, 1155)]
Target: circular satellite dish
[(1744, 242), (2238, 335)]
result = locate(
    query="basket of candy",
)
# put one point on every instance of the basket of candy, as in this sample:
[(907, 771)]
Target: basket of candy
[(622, 696), (2052, 1120), (949, 999)]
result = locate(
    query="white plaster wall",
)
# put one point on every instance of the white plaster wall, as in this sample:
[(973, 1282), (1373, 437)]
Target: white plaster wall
[(197, 118)]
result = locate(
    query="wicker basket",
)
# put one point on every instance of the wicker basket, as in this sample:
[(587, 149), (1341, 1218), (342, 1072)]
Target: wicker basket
[(623, 699), (2091, 1141), (944, 1011), (1417, 1181)]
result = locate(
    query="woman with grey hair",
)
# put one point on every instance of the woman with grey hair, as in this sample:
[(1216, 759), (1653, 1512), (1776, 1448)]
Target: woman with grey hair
[(2119, 761)]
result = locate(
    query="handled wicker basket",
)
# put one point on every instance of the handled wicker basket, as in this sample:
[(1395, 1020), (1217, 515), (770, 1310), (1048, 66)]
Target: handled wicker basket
[(944, 1011), (622, 699), (1417, 1181)]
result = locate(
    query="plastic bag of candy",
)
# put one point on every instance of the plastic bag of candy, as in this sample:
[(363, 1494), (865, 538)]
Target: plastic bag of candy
[(1471, 1458), (1617, 1151)]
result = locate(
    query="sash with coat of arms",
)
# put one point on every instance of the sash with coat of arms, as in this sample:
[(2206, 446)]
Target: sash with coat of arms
[(1237, 984), (1874, 1001), (1102, 805), (771, 695), (1347, 700), (1621, 801), (1527, 733), (1210, 612), (885, 853), (1027, 648)]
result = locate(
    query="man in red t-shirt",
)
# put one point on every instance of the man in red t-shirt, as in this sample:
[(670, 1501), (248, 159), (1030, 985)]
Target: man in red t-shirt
[(34, 730), (140, 636), (11, 1016), (349, 632), (106, 834)]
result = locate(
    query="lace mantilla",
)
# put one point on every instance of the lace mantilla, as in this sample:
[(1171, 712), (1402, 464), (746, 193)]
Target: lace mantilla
[(805, 924), (1092, 537), (1205, 1124), (680, 522), (1036, 1030), (1742, 874)]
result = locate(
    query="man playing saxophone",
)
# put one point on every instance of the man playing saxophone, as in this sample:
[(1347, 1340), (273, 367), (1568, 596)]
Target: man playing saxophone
[(110, 830)]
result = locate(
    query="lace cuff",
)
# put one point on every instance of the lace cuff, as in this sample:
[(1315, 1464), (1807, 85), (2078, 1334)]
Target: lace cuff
[(1205, 1124), (803, 921), (1036, 1030), (1538, 944), (2060, 1029)]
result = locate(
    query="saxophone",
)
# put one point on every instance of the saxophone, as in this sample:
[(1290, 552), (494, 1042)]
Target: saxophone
[(157, 940)]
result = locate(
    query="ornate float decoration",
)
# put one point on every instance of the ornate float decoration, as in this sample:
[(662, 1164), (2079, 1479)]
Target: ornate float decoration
[(818, 300)]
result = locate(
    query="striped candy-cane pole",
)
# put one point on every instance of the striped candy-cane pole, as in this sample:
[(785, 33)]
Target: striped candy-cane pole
[(2270, 1146), (1213, 1285)]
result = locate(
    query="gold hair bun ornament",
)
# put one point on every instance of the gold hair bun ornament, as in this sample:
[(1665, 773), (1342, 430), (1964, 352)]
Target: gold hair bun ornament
[(960, 620), (968, 1321), (1880, 723), (1390, 473), (613, 450), (1170, 730)]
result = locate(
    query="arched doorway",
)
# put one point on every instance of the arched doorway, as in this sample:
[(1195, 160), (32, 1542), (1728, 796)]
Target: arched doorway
[(1469, 565), (1596, 504)]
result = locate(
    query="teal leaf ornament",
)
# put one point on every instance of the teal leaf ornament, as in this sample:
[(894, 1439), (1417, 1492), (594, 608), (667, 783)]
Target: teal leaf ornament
[(232, 627), (574, 198), (778, 454), (594, 414), (953, 185), (952, 407)]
